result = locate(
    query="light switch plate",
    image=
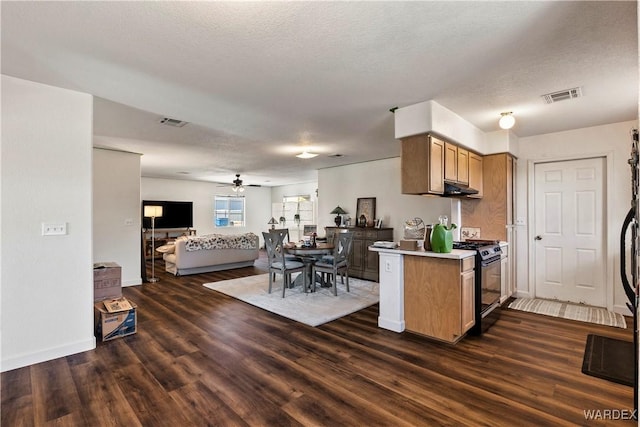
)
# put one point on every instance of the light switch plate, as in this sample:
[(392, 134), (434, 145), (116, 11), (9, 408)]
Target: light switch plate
[(54, 228)]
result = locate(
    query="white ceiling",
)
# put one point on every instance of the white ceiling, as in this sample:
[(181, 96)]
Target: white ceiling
[(260, 81)]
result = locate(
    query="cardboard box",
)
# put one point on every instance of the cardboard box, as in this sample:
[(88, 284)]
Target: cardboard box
[(107, 281), (408, 245), (109, 326)]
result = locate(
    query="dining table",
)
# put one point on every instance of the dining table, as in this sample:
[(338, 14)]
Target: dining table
[(309, 255)]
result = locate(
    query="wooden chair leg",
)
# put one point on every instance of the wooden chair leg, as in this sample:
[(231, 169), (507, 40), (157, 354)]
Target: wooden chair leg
[(346, 273), (271, 280)]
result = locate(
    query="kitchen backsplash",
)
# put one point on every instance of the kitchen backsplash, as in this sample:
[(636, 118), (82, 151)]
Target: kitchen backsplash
[(469, 233)]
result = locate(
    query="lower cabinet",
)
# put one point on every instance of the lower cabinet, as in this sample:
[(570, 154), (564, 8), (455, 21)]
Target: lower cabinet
[(439, 296), (363, 262)]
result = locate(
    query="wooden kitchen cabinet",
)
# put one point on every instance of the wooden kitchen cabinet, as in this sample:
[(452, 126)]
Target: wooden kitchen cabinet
[(363, 263), (494, 214), (450, 162), (427, 162), (422, 165), (439, 296), (475, 174), (456, 164), (467, 286), (495, 211), (463, 166)]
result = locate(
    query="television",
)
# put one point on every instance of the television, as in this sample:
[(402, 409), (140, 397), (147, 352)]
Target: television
[(174, 214)]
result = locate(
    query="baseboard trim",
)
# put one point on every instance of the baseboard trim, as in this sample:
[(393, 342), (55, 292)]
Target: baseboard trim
[(48, 354), (132, 282), (391, 324)]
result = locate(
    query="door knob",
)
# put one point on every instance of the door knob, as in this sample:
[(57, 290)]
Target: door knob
[(538, 238)]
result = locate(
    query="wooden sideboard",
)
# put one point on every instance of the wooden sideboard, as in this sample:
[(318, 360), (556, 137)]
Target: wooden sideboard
[(363, 263)]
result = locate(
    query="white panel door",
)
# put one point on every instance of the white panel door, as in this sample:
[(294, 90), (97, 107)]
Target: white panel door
[(569, 230)]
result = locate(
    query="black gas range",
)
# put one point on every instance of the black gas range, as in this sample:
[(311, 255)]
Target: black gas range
[(488, 281)]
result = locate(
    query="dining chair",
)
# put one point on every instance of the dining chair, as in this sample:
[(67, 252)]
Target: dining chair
[(339, 264), (278, 264), (285, 240), (287, 256), (329, 257)]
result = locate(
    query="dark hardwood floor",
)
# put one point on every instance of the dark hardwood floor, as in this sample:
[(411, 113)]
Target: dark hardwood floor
[(201, 358)]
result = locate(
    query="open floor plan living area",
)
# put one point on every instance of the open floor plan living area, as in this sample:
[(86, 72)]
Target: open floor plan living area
[(276, 213)]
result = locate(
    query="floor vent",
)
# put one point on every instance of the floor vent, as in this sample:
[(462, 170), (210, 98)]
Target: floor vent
[(173, 122), (561, 95)]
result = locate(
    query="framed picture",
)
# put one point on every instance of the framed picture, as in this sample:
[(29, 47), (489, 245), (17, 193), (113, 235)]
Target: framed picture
[(378, 223), (366, 207)]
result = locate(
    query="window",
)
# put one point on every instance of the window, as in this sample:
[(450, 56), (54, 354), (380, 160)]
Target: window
[(229, 211)]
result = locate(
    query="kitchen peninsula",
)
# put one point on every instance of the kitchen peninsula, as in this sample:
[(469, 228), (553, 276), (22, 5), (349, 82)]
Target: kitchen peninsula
[(428, 293)]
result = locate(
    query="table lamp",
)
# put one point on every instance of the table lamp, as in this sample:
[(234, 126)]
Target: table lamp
[(153, 212), (273, 223), (338, 211)]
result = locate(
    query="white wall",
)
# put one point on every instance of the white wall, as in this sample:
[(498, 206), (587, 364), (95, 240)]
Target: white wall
[(307, 188), (46, 281), (202, 194), (381, 179), (431, 117), (116, 212), (613, 140)]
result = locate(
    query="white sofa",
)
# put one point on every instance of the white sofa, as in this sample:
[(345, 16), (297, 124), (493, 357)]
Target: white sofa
[(214, 252)]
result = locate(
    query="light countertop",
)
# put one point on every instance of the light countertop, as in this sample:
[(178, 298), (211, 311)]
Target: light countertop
[(454, 254)]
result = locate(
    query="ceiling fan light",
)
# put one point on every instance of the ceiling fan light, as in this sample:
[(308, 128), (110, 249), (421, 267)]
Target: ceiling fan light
[(507, 120), (306, 155)]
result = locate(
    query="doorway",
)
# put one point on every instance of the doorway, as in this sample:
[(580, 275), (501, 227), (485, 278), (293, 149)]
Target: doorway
[(569, 243)]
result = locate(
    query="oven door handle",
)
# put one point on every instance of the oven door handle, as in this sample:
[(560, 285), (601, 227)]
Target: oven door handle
[(490, 261)]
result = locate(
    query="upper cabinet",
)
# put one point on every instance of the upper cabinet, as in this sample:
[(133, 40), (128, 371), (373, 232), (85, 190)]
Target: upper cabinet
[(463, 166), (475, 174), (428, 162), (456, 164), (494, 213), (422, 165), (450, 162)]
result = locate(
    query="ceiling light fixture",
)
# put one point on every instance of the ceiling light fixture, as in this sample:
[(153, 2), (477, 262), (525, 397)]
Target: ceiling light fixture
[(306, 155), (507, 120)]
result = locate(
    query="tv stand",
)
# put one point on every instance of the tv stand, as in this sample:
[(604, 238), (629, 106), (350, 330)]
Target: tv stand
[(163, 236)]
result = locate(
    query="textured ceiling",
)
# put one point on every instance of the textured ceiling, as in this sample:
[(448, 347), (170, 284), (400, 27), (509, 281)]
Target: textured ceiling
[(260, 81)]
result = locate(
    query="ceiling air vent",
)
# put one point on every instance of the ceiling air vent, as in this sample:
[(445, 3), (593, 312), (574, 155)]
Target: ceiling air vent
[(550, 98), (173, 122)]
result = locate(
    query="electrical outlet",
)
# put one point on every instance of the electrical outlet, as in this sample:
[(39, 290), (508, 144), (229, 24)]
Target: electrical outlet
[(54, 228), (128, 221), (387, 266), (521, 221)]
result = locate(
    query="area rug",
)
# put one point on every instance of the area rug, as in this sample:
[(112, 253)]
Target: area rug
[(313, 308), (565, 310), (610, 359)]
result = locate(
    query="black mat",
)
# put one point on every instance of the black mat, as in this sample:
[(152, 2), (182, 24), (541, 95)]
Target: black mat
[(609, 359)]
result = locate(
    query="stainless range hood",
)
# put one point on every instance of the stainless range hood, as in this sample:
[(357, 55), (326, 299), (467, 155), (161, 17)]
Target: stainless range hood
[(458, 190)]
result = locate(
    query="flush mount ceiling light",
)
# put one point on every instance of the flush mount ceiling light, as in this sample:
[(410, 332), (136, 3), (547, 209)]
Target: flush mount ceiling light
[(237, 184), (306, 155), (507, 120)]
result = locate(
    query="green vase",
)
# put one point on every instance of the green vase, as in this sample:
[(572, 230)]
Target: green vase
[(442, 238)]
